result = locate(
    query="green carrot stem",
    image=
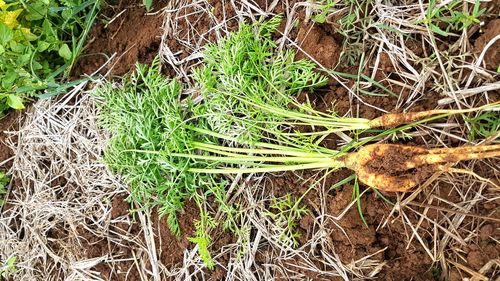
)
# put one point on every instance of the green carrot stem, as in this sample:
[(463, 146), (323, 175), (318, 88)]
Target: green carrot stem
[(270, 169), (247, 158), (205, 146)]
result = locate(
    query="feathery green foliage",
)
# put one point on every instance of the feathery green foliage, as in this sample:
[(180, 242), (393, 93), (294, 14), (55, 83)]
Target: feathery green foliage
[(285, 213), (145, 117), (244, 71), (484, 125), (202, 238)]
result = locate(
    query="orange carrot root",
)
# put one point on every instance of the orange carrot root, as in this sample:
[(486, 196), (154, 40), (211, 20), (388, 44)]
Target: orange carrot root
[(395, 119), (393, 167)]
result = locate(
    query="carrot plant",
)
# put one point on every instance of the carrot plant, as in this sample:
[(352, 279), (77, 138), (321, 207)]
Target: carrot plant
[(143, 114), (245, 72), (250, 108), (170, 147), (4, 182), (145, 117)]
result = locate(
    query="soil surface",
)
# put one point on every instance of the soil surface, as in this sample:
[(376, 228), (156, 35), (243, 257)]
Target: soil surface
[(492, 55), (130, 35), (171, 248), (9, 122), (135, 36)]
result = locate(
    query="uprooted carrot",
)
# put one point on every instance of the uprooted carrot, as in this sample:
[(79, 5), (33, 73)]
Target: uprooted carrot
[(332, 123), (393, 167), (387, 167), (396, 119)]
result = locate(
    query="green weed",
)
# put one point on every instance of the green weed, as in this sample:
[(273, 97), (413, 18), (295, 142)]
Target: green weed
[(202, 238), (8, 267), (39, 42), (4, 182), (285, 213), (148, 4), (322, 12), (451, 17)]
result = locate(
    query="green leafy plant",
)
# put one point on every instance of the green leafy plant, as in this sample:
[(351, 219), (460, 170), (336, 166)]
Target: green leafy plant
[(451, 17), (322, 12), (39, 41), (148, 4), (285, 213), (484, 125), (202, 238), (8, 267), (144, 116), (4, 182), (169, 146), (243, 73)]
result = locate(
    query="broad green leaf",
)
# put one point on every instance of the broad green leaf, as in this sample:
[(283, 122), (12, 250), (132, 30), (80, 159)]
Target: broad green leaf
[(9, 78), (23, 59), (42, 46), (28, 35), (6, 34), (15, 102), (65, 52), (11, 261), (17, 47), (66, 14), (36, 65), (36, 11), (438, 30), (48, 31)]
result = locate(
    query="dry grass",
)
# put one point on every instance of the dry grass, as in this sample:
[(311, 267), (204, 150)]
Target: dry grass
[(61, 200), (63, 190), (455, 222)]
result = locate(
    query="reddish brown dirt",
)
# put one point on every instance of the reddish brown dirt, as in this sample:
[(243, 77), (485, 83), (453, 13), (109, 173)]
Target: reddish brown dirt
[(9, 122), (352, 239), (133, 36), (170, 247), (492, 56), (316, 44)]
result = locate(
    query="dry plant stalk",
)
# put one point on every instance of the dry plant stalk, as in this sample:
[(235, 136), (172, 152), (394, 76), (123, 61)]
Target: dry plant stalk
[(394, 167)]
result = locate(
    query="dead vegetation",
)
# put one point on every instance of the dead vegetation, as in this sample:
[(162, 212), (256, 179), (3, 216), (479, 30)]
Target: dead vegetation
[(452, 216)]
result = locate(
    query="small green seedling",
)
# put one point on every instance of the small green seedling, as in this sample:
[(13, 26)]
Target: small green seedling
[(451, 16), (8, 267), (325, 6), (148, 4), (4, 182), (202, 237), (285, 213)]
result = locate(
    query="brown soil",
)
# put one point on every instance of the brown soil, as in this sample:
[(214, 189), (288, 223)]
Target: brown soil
[(9, 122), (492, 56), (171, 248), (134, 36)]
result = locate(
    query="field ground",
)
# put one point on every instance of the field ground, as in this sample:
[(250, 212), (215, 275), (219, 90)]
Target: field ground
[(66, 216)]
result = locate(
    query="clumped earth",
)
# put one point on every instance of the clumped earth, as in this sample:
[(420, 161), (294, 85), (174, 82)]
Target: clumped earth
[(135, 36)]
